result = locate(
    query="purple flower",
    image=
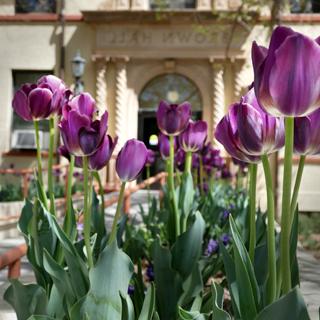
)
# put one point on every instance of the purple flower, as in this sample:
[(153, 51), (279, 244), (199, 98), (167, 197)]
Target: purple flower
[(164, 146), (80, 228), (150, 273), (225, 173), (32, 103), (287, 75), (81, 130), (247, 132), (179, 159), (130, 290), (195, 161), (151, 157), (225, 238), (307, 134), (172, 119), (193, 138), (131, 160), (225, 215), (212, 247), (60, 94)]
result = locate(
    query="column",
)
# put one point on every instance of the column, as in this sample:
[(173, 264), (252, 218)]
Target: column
[(204, 5), (218, 98), (139, 5), (237, 79), (121, 100), (101, 83)]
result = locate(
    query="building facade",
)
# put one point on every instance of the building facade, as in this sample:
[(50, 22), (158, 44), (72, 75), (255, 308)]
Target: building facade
[(137, 52)]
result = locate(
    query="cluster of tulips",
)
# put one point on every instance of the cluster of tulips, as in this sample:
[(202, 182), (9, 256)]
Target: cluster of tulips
[(89, 278)]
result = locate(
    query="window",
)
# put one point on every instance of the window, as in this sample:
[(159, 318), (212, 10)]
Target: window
[(28, 6), (304, 6), (21, 128), (172, 4)]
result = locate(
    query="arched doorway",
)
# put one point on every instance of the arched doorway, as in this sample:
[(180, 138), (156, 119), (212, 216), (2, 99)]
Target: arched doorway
[(174, 88)]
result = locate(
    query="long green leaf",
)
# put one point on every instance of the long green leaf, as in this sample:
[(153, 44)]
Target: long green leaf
[(217, 308), (148, 306)]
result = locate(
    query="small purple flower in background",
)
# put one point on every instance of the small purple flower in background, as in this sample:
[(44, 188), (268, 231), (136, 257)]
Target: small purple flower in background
[(195, 161), (131, 160), (179, 159), (225, 238), (130, 290), (151, 157), (57, 172), (172, 119), (212, 247), (164, 146), (225, 173), (150, 273), (225, 215), (80, 228)]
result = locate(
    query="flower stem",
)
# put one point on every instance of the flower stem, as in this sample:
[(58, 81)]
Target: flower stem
[(50, 164), (272, 280), (296, 188), (201, 176), (172, 188), (188, 162), (69, 197), (113, 233), (286, 210), (252, 208), (86, 211), (39, 160)]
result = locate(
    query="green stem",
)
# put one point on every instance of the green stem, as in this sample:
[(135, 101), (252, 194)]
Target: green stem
[(69, 197), (148, 185), (113, 233), (188, 163), (201, 176), (296, 188), (39, 161), (50, 165), (252, 207), (272, 279), (286, 212), (172, 188), (86, 211)]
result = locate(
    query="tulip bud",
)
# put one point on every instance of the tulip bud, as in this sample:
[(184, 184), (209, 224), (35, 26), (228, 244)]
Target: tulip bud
[(164, 146), (172, 119), (131, 160), (151, 157), (287, 75), (193, 138)]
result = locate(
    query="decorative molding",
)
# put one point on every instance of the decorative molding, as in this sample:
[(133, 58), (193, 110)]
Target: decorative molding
[(204, 5), (121, 99), (169, 65), (218, 98), (238, 87)]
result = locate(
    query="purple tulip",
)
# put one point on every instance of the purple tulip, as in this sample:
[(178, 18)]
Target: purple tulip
[(247, 131), (32, 103), (82, 132), (151, 157), (179, 159), (172, 119), (212, 247), (225, 238), (307, 134), (131, 160), (164, 146), (193, 138), (195, 161), (287, 75), (60, 94)]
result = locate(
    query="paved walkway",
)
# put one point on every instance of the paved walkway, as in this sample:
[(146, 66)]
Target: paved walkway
[(309, 267)]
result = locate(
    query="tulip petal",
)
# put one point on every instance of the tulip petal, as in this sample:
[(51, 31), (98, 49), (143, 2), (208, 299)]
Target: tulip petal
[(20, 105), (302, 134), (295, 77), (39, 101), (84, 103)]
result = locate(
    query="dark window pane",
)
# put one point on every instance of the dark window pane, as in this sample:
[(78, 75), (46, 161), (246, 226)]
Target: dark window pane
[(172, 4), (27, 6)]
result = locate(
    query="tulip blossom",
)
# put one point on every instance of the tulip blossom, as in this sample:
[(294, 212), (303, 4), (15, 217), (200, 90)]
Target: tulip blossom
[(131, 160), (151, 157), (164, 146), (60, 94), (31, 102), (307, 134), (193, 138), (287, 75), (172, 119), (247, 131), (81, 130), (179, 159)]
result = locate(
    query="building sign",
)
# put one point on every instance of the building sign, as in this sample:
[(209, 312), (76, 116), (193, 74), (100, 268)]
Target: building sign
[(143, 37)]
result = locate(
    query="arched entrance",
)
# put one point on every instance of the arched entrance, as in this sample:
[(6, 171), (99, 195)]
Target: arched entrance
[(174, 88)]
